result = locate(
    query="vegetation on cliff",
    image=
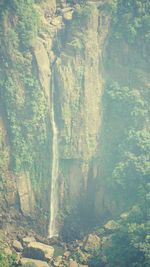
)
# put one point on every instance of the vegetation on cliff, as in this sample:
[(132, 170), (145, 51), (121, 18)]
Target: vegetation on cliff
[(124, 150), (125, 137), (23, 102)]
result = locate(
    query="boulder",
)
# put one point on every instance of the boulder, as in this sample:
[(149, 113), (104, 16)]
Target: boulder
[(28, 239), (57, 261), (73, 263), (37, 263), (67, 254), (38, 251), (91, 242), (17, 246)]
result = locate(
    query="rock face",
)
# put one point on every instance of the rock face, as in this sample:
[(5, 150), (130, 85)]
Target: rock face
[(26, 195), (78, 82)]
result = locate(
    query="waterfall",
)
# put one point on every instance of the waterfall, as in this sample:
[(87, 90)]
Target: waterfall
[(53, 230)]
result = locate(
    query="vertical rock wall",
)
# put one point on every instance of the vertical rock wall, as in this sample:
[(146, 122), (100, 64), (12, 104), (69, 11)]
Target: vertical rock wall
[(78, 81)]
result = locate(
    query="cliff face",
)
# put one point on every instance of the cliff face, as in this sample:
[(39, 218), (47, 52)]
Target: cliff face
[(54, 56), (78, 83), (64, 57)]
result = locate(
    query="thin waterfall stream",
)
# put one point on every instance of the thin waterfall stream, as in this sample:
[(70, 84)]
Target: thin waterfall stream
[(53, 229)]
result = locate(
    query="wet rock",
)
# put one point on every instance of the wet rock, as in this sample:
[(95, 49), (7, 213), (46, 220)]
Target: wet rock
[(38, 251), (37, 263), (17, 246)]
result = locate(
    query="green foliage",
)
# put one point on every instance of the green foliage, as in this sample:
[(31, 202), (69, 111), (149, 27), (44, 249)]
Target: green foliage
[(81, 16), (25, 22), (109, 6), (11, 38), (27, 26), (7, 261), (23, 100), (130, 244), (82, 12), (129, 174), (134, 167), (132, 20), (126, 108), (96, 259), (24, 132), (134, 148)]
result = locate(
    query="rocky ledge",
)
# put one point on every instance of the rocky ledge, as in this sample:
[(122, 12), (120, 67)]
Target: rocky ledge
[(31, 249)]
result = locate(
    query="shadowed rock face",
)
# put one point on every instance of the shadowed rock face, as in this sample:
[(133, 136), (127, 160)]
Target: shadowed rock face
[(39, 251)]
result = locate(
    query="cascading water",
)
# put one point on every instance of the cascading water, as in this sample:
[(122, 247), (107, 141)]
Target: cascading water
[(53, 229)]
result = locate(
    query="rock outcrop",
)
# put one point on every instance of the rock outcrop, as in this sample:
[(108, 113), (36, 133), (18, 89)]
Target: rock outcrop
[(39, 251), (17, 246)]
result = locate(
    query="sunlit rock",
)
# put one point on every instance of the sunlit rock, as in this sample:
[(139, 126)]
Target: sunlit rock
[(37, 263)]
